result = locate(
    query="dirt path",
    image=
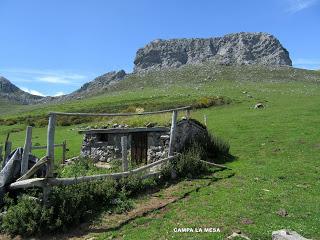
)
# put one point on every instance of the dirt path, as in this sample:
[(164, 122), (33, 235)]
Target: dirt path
[(143, 206)]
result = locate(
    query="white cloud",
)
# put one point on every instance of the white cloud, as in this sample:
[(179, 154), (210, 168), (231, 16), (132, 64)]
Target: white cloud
[(58, 94), (47, 76), (33, 92), (299, 5), (54, 79)]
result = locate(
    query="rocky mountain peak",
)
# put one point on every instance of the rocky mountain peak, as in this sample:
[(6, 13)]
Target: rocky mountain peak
[(232, 49), (6, 86), (12, 93)]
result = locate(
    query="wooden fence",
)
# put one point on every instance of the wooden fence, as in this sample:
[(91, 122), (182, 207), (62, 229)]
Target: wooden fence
[(63, 145), (48, 181)]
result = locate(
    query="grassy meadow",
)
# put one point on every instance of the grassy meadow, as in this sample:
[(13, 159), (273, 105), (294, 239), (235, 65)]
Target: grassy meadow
[(277, 148)]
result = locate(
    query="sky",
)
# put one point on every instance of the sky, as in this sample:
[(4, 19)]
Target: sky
[(52, 47)]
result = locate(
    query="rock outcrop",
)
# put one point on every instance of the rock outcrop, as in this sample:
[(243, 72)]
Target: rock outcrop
[(102, 81), (284, 234), (232, 49), (95, 86)]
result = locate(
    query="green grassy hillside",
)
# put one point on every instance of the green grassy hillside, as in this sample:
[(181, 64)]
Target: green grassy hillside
[(277, 148), (163, 89)]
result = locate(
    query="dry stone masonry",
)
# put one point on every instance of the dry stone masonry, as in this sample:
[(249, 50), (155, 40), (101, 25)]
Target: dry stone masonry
[(105, 144)]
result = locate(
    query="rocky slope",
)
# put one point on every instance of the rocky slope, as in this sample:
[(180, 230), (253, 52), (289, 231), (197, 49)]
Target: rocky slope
[(96, 86), (232, 49), (13, 94)]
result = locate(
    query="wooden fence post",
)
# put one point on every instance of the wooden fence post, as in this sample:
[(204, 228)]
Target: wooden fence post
[(172, 133), (124, 149), (205, 119), (26, 151), (64, 149), (50, 144), (172, 139), (188, 114)]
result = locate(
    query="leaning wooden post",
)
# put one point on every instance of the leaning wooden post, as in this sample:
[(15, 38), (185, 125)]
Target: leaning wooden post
[(50, 144), (124, 149), (64, 149), (172, 139), (7, 149), (26, 151)]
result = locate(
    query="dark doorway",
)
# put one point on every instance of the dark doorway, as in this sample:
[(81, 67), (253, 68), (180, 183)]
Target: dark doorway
[(139, 148)]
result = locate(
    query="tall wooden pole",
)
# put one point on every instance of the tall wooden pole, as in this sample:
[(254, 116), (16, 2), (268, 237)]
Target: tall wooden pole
[(172, 140), (124, 150), (26, 151), (172, 133), (50, 144)]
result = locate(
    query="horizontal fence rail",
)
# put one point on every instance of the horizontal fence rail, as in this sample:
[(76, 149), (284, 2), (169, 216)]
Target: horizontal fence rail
[(44, 182), (118, 114), (45, 147)]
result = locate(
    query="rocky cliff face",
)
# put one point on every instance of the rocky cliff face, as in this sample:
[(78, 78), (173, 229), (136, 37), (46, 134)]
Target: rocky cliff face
[(232, 49), (12, 93)]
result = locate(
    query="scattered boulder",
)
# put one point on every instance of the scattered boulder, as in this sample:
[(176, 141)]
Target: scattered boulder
[(258, 106), (285, 234), (237, 235), (151, 124), (282, 212)]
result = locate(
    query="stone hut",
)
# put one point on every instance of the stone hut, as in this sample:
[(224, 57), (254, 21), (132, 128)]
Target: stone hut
[(145, 144)]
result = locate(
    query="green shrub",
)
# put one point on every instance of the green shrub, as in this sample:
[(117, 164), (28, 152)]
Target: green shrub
[(81, 167), (26, 217), (205, 102), (135, 184), (67, 206), (212, 148), (187, 164)]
